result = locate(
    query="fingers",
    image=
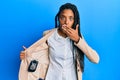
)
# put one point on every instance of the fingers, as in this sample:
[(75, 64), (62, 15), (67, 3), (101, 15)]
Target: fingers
[(22, 55), (77, 27), (67, 29), (72, 30)]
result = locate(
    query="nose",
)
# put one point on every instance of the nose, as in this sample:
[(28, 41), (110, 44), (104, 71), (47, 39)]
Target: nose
[(66, 21)]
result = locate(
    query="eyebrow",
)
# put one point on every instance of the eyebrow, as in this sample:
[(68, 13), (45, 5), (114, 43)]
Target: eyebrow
[(64, 16)]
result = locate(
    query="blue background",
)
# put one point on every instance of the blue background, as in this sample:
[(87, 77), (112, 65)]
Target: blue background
[(23, 21)]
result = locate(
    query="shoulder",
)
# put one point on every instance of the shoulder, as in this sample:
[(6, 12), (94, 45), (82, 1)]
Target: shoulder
[(48, 31)]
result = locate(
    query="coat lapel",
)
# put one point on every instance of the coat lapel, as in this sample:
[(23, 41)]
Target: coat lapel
[(39, 52)]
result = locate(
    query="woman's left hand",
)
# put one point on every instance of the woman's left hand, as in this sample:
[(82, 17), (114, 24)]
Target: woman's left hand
[(72, 33)]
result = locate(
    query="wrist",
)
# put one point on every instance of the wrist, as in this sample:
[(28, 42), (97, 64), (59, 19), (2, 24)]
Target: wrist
[(77, 40)]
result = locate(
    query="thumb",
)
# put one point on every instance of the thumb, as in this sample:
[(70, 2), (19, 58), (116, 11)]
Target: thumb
[(77, 27)]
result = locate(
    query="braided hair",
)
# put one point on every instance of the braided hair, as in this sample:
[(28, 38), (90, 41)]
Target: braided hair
[(76, 21)]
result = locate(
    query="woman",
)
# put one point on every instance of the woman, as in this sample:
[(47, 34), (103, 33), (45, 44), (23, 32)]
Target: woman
[(66, 47)]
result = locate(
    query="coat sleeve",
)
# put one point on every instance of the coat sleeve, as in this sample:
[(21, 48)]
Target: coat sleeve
[(88, 51)]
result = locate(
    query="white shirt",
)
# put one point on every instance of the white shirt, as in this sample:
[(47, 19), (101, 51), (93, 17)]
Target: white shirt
[(61, 65)]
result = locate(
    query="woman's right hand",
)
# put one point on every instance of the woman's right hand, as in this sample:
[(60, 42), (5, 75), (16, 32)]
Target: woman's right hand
[(22, 53)]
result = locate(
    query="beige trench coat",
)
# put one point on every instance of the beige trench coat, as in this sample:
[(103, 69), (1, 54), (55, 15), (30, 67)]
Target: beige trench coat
[(39, 51)]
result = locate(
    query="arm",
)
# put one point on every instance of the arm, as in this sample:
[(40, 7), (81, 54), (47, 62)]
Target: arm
[(81, 44), (87, 50)]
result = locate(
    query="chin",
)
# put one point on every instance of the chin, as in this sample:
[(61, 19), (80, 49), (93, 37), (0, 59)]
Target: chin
[(62, 31)]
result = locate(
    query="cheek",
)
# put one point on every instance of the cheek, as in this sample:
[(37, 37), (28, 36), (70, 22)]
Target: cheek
[(71, 24), (61, 21)]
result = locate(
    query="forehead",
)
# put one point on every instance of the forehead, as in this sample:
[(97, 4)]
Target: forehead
[(67, 12)]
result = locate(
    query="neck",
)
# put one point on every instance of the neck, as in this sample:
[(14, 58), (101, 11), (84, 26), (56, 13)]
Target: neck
[(61, 33)]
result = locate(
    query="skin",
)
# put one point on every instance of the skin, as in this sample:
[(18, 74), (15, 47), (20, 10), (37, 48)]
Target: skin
[(66, 20), (22, 54)]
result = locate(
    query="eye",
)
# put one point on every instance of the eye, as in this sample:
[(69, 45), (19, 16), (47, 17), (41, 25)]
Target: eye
[(71, 18), (62, 18)]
